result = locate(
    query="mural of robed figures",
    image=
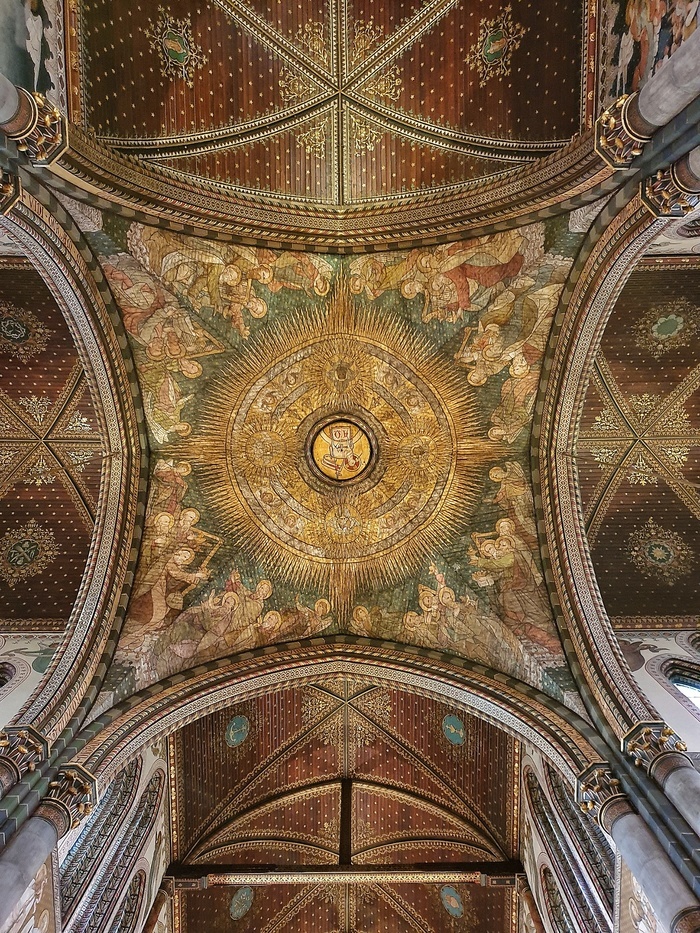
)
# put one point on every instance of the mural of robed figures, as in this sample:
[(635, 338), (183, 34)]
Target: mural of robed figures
[(24, 44)]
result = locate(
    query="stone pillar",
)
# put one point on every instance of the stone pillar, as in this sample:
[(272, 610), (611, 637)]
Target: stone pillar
[(21, 750), (600, 795), (656, 747), (526, 896), (71, 797), (161, 898), (623, 129)]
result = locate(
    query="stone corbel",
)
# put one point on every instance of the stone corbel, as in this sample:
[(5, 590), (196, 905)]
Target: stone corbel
[(21, 750), (599, 794), (621, 132), (71, 798)]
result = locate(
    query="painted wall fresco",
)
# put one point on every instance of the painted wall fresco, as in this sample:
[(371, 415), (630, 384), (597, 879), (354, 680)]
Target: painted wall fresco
[(24, 659), (237, 348), (31, 46), (638, 38), (635, 913)]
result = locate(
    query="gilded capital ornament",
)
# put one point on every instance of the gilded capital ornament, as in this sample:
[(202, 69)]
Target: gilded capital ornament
[(72, 796), (647, 740), (42, 137), (21, 750), (621, 132), (10, 191), (600, 795), (668, 194)]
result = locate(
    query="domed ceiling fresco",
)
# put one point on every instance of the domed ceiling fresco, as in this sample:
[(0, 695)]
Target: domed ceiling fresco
[(339, 445)]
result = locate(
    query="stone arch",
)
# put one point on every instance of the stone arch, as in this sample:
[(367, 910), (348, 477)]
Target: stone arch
[(563, 738), (50, 239)]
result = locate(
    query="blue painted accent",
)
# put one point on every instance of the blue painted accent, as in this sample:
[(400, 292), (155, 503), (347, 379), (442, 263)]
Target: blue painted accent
[(451, 901), (237, 731), (453, 727), (241, 902)]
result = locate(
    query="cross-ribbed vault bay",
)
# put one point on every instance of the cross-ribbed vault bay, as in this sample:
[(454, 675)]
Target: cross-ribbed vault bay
[(338, 445), (369, 120)]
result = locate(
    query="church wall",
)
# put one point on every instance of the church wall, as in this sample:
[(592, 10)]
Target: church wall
[(650, 655)]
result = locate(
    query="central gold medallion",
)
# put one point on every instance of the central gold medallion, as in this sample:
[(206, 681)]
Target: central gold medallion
[(341, 450)]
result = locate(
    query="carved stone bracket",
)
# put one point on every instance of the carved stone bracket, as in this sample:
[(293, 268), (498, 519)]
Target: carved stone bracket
[(10, 191), (666, 195), (621, 132), (647, 741), (71, 798), (599, 794), (21, 750), (44, 138)]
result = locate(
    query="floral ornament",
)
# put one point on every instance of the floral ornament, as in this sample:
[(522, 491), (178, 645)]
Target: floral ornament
[(25, 552), (498, 39), (659, 553), (22, 335), (179, 54), (667, 328)]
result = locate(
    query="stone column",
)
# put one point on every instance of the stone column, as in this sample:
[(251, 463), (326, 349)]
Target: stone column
[(161, 898), (71, 797), (656, 747), (600, 795), (674, 191), (629, 123), (525, 893)]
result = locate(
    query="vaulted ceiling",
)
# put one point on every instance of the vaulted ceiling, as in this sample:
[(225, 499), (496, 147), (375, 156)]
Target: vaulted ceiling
[(344, 775), (331, 103), (638, 452), (50, 455)]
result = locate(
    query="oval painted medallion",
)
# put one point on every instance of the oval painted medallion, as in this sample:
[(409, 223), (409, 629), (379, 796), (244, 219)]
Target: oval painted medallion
[(451, 901), (454, 731), (241, 902), (237, 731)]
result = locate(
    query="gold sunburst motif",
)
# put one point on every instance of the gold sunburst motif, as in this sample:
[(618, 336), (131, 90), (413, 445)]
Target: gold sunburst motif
[(384, 388)]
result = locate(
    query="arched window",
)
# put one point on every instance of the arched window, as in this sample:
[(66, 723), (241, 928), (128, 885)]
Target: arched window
[(7, 672), (566, 860), (684, 679)]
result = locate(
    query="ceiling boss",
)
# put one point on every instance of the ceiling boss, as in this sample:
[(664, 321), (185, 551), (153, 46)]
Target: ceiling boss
[(341, 449)]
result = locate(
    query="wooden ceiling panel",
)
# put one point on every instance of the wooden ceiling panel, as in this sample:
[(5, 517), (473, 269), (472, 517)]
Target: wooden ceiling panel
[(130, 92), (50, 454), (639, 447)]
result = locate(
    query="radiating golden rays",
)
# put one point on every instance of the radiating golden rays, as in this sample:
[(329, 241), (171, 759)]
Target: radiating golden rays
[(253, 451)]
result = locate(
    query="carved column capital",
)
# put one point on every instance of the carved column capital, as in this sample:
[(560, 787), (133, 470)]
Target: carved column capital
[(666, 194), (654, 746), (600, 795), (21, 750), (72, 796), (41, 133), (10, 191), (621, 132)]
